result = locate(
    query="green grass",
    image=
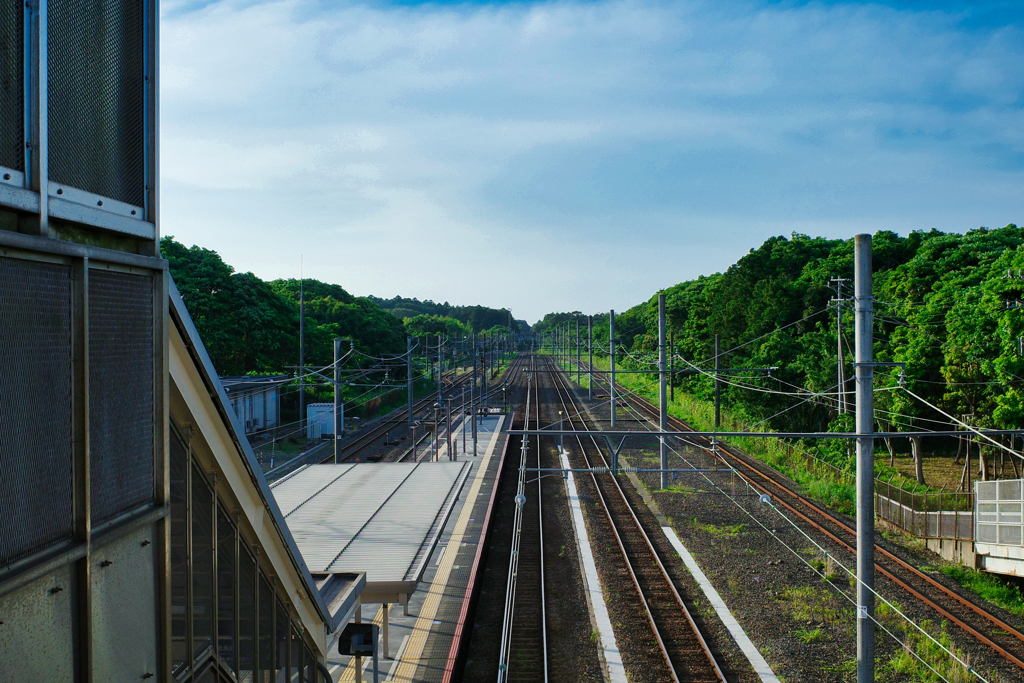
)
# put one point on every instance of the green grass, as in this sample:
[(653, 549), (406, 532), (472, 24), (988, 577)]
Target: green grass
[(990, 587), (719, 530), (809, 603), (808, 636), (834, 488)]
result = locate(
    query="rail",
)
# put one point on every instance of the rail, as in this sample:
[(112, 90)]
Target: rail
[(981, 624), (682, 646)]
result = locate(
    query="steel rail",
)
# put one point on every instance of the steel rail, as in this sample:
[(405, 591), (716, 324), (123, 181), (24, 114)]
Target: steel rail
[(563, 394), (735, 456), (524, 609)]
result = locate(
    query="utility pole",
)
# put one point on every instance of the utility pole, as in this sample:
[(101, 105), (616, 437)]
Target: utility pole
[(448, 429), (339, 415), (590, 353), (472, 394), (718, 395), (440, 370), (863, 310), (840, 379), (662, 400), (408, 376), (302, 356), (672, 365), (577, 351), (611, 341)]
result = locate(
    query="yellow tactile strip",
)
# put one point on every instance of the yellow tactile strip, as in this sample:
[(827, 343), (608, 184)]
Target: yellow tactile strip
[(418, 639)]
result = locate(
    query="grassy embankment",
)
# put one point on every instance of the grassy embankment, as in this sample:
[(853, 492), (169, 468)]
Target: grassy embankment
[(830, 483)]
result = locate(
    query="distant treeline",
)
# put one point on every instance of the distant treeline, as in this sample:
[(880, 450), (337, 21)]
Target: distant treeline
[(252, 326), (477, 318), (944, 305)]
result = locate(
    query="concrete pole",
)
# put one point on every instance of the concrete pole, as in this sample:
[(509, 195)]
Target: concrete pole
[(864, 309), (302, 361), (839, 348), (672, 365), (472, 395), (439, 369), (464, 415), (662, 395), (338, 415), (611, 343), (577, 351), (408, 376), (718, 394), (448, 430), (590, 354)]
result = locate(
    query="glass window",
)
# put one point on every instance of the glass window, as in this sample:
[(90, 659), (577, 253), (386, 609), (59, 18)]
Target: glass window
[(281, 643), (179, 553), (310, 667), (226, 588), (202, 564), (266, 631), (295, 663), (246, 614)]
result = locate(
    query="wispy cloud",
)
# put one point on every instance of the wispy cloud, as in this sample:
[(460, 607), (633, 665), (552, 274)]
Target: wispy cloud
[(504, 154)]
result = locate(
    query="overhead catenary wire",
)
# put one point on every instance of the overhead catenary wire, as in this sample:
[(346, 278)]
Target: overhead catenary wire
[(796, 554)]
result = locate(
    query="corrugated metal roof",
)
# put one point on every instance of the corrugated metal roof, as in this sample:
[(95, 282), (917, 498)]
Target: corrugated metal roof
[(374, 516)]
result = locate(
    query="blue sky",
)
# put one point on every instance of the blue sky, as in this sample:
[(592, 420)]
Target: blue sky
[(577, 155)]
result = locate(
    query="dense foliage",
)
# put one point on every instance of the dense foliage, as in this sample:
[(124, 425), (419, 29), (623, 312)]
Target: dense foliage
[(252, 326), (433, 325), (941, 307), (478, 318)]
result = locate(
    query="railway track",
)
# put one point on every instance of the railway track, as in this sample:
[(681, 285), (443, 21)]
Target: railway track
[(524, 649), (682, 653), (985, 627)]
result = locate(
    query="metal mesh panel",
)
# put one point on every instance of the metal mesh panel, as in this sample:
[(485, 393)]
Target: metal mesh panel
[(986, 490), (96, 96), (12, 85), (1010, 535), (179, 553), (281, 643), (226, 581), (120, 392), (36, 457), (266, 637), (246, 614), (987, 533), (202, 564), (1009, 490)]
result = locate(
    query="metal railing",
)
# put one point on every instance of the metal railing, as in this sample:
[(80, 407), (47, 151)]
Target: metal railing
[(946, 515)]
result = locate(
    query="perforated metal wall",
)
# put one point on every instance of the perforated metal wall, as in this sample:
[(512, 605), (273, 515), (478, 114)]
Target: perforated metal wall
[(1000, 512), (246, 614), (120, 392), (96, 89), (36, 458), (12, 85)]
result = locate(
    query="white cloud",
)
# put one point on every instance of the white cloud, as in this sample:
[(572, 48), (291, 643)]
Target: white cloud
[(415, 149)]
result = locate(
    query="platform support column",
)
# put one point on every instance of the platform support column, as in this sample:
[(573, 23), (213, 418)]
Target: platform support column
[(662, 394), (359, 660), (384, 629), (864, 309)]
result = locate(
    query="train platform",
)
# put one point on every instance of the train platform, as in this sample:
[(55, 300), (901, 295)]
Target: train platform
[(419, 634)]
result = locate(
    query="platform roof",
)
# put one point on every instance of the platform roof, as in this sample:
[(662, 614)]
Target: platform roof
[(378, 518)]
